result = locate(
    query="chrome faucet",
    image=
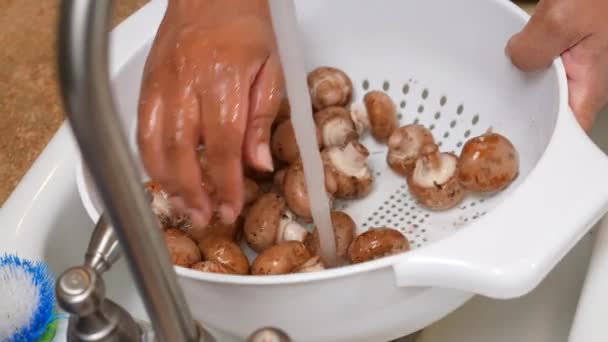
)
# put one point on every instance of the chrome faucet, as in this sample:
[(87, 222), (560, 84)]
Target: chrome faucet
[(128, 223)]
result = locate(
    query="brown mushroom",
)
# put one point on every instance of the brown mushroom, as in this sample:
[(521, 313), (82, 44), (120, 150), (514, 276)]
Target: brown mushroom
[(252, 191), (335, 126), (344, 232), (377, 243), (224, 251), (279, 178), (284, 112), (488, 163), (284, 145), (381, 113), (313, 264), (359, 117), (404, 146), (213, 267), (329, 86), (296, 193), (182, 249), (348, 165), (268, 222), (434, 180), (217, 227), (280, 259)]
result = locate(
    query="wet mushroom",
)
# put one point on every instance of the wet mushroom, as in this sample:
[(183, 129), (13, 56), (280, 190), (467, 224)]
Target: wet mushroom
[(348, 165), (217, 227), (335, 126), (344, 232), (434, 180), (329, 86), (378, 113), (224, 251), (280, 259), (162, 208), (404, 146), (377, 243), (313, 264), (212, 267), (252, 191), (182, 249), (284, 145), (488, 163), (269, 222), (296, 193)]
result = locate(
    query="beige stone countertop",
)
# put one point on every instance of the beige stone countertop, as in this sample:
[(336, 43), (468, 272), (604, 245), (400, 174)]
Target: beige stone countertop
[(30, 106)]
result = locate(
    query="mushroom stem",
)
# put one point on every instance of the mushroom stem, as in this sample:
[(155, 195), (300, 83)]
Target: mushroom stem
[(289, 229), (430, 158)]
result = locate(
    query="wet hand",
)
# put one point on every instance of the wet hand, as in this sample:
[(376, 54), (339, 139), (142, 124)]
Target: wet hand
[(212, 77)]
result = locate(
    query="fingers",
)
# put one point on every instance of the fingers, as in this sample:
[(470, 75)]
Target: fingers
[(150, 121), (265, 99), (180, 143), (547, 35), (587, 71), (225, 104)]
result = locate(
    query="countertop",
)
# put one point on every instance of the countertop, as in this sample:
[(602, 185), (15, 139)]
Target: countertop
[(30, 105)]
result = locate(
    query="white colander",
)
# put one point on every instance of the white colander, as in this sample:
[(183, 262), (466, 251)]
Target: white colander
[(444, 65)]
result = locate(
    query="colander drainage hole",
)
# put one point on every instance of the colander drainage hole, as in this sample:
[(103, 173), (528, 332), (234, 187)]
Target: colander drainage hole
[(416, 120), (467, 133), (402, 104), (431, 127), (425, 94), (453, 124), (365, 85), (459, 144), (475, 119), (399, 116), (420, 109), (386, 85), (406, 89), (437, 115), (446, 134), (460, 109), (443, 101)]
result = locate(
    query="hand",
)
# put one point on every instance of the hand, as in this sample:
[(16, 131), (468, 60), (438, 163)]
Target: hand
[(213, 77), (578, 31)]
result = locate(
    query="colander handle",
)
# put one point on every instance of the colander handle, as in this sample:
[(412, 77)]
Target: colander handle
[(507, 252)]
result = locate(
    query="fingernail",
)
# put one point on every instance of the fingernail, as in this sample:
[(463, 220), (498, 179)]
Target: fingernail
[(198, 218), (226, 214), (264, 157), (178, 203)]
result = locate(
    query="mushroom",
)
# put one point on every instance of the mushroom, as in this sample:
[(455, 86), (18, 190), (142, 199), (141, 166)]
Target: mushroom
[(284, 112), (488, 163), (166, 214), (279, 178), (217, 227), (329, 86), (280, 259), (212, 267), (224, 251), (284, 145), (378, 113), (313, 264), (404, 147), (348, 165), (434, 180), (377, 243), (335, 126), (182, 249), (296, 193), (344, 232), (268, 222)]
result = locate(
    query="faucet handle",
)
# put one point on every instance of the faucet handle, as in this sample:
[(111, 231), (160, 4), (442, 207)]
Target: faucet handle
[(103, 250)]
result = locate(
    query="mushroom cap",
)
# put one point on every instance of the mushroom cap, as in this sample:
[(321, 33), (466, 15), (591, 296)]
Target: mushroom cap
[(434, 180), (344, 231), (382, 114), (313, 264), (405, 145), (182, 249), (217, 227), (488, 163), (212, 267), (283, 142), (295, 192), (335, 126), (377, 243), (224, 251), (348, 164), (262, 221), (280, 259), (329, 86)]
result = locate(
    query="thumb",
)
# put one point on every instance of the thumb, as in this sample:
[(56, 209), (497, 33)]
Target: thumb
[(265, 99), (548, 33)]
